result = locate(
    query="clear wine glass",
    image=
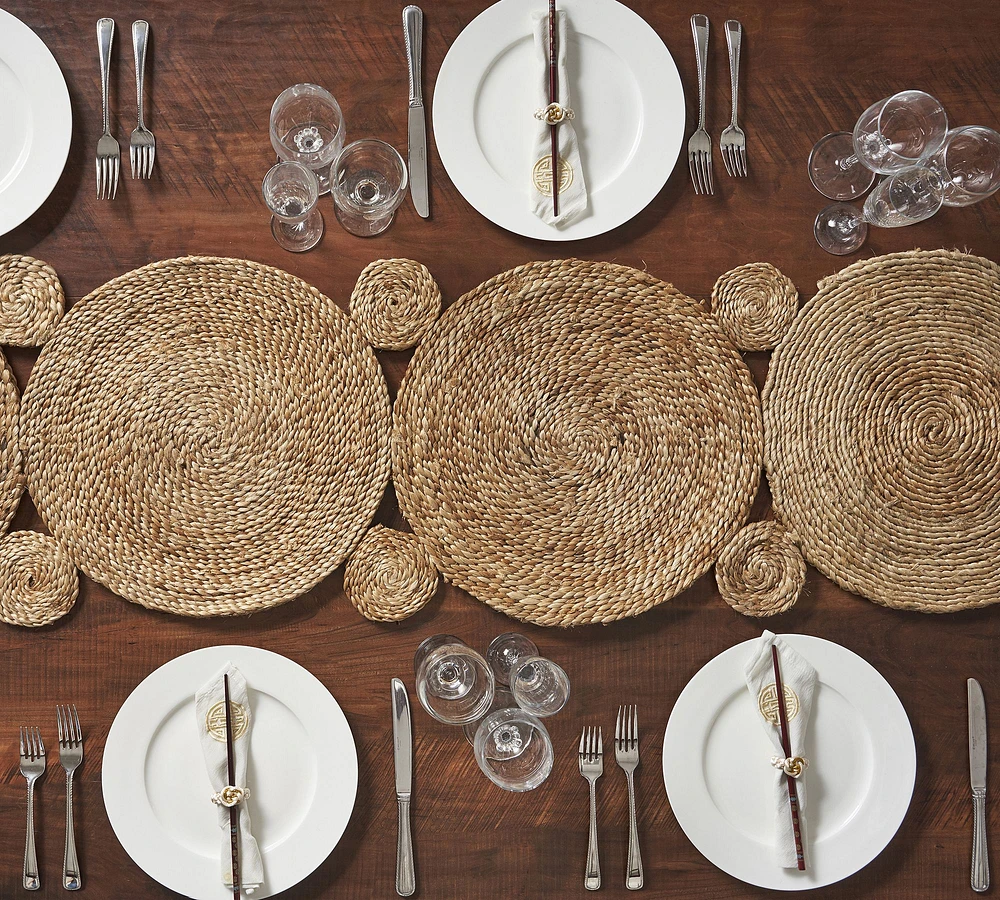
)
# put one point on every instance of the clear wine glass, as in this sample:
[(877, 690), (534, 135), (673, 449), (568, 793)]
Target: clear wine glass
[(454, 683), (505, 650), (290, 192), (539, 686), (307, 126), (514, 750), (969, 165), (369, 182)]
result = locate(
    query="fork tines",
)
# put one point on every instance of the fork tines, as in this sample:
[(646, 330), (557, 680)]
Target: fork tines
[(626, 729), (591, 744), (700, 164), (68, 726), (735, 159), (31, 743)]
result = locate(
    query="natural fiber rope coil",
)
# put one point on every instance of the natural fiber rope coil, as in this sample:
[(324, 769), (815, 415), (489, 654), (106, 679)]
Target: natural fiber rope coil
[(760, 572), (575, 441), (389, 576), (12, 479), (38, 581), (882, 425), (755, 305), (395, 302), (31, 301)]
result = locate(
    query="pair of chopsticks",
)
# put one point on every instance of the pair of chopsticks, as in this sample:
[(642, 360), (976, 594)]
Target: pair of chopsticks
[(553, 98), (786, 747), (234, 812)]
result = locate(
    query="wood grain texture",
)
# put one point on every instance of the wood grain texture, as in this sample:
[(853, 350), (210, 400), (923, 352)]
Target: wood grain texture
[(213, 71)]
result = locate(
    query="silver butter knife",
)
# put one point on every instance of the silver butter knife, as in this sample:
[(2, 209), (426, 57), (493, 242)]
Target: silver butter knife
[(977, 773), (413, 32), (402, 745)]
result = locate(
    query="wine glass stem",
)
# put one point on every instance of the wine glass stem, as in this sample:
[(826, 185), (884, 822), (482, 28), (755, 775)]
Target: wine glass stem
[(851, 160)]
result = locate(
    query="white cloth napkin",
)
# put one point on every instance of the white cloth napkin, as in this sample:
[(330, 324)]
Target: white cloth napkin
[(798, 675), (210, 710), (572, 196)]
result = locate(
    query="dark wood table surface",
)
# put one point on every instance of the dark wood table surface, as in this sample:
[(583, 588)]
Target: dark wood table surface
[(216, 67)]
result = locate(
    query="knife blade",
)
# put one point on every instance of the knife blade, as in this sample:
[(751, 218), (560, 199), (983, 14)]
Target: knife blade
[(402, 746), (977, 777), (413, 30)]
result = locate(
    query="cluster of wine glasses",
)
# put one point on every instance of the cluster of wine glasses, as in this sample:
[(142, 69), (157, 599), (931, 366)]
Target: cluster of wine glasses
[(499, 700), (906, 138), (367, 178)]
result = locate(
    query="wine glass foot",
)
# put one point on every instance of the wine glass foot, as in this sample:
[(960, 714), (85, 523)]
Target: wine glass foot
[(300, 236), (839, 229), (835, 171)]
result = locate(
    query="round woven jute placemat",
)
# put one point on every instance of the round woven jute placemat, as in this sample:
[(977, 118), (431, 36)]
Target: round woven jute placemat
[(574, 442), (11, 459), (394, 302), (389, 575), (882, 424), (207, 436), (31, 301), (760, 572), (755, 305), (38, 581)]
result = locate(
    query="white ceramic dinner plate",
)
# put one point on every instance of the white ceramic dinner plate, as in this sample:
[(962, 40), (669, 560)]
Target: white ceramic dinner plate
[(626, 94), (303, 770), (35, 120), (860, 779)]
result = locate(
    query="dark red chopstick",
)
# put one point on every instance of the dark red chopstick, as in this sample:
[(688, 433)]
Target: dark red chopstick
[(234, 813), (786, 746), (553, 98)]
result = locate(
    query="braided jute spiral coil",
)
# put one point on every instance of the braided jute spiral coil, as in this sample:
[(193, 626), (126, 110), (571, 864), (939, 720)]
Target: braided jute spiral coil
[(574, 442), (760, 572), (31, 301), (755, 305), (38, 581), (882, 424), (207, 436), (389, 576), (395, 302), (11, 458)]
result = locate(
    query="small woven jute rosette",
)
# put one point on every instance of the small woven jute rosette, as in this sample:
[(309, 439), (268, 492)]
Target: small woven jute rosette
[(207, 436), (31, 301), (882, 423), (389, 576), (575, 441), (38, 581), (760, 572), (394, 302), (755, 305)]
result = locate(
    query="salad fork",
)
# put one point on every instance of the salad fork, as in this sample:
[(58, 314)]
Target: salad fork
[(627, 756), (733, 143), (108, 152), (70, 755), (700, 145), (142, 148), (591, 768), (32, 768)]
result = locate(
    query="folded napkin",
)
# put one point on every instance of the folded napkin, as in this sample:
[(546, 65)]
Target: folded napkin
[(799, 680), (572, 187), (210, 706)]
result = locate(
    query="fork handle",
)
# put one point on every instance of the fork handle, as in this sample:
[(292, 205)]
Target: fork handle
[(633, 874), (105, 35), (71, 866), (140, 36), (734, 38), (31, 881), (592, 878), (699, 28)]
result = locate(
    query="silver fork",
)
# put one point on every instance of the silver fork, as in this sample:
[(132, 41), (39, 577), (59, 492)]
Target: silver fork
[(70, 755), (627, 755), (142, 148), (733, 143), (108, 152), (32, 768), (591, 768), (700, 145)]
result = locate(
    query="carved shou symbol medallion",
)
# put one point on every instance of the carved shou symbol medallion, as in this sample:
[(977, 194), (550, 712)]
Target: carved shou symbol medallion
[(541, 175), (215, 721), (767, 703)]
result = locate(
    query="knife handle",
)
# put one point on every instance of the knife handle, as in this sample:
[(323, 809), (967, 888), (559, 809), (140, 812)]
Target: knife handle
[(413, 34), (406, 881), (980, 860)]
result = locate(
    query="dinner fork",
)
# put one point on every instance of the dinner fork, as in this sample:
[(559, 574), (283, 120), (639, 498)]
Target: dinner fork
[(70, 755), (32, 768), (591, 768), (108, 152), (142, 148), (733, 143), (627, 755), (700, 145)]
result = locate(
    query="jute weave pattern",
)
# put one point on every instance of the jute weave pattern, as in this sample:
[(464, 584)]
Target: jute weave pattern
[(755, 305), (389, 576), (31, 301), (760, 572), (11, 459), (882, 424), (207, 436), (575, 441), (38, 581), (394, 302)]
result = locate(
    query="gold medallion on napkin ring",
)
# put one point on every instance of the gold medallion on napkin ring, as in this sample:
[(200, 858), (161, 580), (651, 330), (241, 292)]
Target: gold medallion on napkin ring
[(230, 796), (541, 175), (793, 766), (215, 721), (767, 703)]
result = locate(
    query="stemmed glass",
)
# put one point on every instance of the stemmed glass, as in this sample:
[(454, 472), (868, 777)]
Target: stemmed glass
[(368, 184), (290, 192), (514, 749), (454, 683), (539, 685), (505, 650), (969, 165), (307, 126)]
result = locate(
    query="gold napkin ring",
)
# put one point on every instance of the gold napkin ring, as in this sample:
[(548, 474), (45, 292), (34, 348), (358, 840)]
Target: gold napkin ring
[(230, 796), (554, 113), (793, 767)]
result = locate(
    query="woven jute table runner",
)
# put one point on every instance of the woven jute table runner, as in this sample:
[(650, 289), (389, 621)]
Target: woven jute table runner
[(575, 441), (882, 425), (207, 436)]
